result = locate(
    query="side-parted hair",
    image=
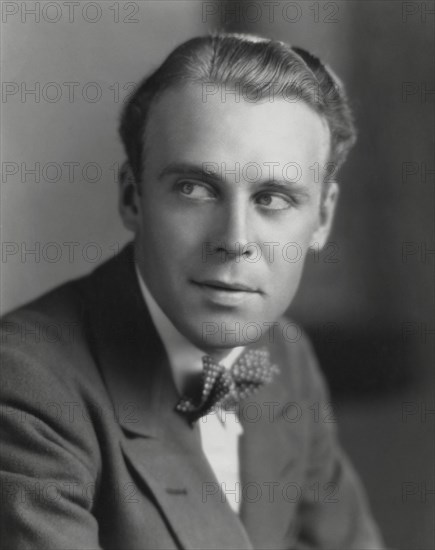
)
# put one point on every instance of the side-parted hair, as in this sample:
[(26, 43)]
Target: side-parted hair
[(261, 69)]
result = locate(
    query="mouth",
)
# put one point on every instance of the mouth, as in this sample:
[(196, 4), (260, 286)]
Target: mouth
[(229, 287), (227, 294)]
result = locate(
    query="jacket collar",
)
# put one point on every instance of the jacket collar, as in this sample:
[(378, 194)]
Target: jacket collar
[(130, 353)]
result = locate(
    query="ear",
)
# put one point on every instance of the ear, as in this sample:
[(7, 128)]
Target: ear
[(129, 198), (326, 216)]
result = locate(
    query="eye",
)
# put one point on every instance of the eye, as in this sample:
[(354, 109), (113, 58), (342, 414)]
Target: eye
[(195, 190), (273, 201)]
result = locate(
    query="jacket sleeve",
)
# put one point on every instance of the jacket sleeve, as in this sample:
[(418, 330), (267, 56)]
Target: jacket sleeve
[(48, 454), (334, 512)]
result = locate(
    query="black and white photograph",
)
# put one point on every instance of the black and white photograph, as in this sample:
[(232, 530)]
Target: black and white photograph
[(217, 275)]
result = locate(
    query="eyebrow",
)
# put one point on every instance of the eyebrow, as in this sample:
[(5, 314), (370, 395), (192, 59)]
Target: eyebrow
[(187, 169)]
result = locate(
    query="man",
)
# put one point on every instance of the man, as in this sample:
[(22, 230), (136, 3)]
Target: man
[(177, 409)]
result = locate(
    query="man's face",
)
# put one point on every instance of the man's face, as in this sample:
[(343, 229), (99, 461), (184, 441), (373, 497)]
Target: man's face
[(229, 207)]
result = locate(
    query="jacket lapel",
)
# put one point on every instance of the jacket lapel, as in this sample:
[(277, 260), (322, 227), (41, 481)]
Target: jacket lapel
[(160, 444), (269, 461), (185, 488)]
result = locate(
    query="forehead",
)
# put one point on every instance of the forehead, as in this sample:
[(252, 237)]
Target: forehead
[(187, 125)]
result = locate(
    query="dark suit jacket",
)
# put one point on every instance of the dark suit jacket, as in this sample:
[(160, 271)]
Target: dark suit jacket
[(93, 454)]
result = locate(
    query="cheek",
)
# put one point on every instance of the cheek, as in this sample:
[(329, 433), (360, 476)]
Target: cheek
[(169, 236), (294, 239), (287, 263), (287, 272)]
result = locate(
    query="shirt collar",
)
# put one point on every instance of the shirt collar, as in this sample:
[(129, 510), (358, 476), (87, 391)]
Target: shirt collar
[(184, 357)]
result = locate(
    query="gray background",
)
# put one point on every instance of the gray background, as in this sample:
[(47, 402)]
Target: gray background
[(368, 307)]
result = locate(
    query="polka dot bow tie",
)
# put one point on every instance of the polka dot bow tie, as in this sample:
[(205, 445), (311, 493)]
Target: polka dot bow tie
[(221, 386)]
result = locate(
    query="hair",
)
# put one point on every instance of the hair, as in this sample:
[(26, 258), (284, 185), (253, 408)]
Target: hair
[(256, 65)]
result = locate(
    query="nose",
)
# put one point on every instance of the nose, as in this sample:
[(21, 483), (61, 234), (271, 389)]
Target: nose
[(234, 235)]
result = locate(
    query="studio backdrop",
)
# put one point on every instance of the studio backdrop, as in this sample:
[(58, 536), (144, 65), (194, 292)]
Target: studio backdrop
[(366, 300)]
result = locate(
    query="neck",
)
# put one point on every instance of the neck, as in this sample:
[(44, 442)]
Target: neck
[(217, 353)]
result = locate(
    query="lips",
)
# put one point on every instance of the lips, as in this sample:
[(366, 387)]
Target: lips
[(227, 294), (227, 286)]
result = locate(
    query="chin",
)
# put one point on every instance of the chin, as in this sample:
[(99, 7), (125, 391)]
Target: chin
[(218, 342), (226, 331)]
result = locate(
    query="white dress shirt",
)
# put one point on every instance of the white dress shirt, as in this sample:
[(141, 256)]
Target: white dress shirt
[(220, 430)]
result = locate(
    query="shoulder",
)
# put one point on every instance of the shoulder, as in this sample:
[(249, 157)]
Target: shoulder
[(53, 399), (295, 354), (53, 336), (47, 369), (44, 335)]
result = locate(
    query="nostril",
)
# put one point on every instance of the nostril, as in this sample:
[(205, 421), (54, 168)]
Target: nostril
[(233, 249)]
